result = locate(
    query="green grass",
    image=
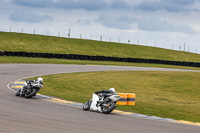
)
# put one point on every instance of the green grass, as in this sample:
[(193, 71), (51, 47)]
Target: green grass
[(9, 59), (49, 44), (173, 95)]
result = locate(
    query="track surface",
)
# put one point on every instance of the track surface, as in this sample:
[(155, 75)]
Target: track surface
[(20, 115)]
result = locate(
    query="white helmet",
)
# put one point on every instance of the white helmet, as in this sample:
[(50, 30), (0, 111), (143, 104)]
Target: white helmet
[(40, 80), (112, 89)]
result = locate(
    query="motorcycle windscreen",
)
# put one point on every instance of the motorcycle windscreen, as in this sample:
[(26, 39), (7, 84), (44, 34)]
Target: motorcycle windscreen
[(115, 98), (93, 106)]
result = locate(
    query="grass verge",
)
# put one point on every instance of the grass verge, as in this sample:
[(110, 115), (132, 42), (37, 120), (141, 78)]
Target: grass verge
[(173, 95)]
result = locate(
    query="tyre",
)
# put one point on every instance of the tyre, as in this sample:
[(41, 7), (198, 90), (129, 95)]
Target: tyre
[(30, 93), (86, 106), (109, 108), (17, 93)]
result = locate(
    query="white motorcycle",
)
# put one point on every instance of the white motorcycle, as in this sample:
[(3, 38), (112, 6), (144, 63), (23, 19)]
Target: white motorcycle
[(103, 103), (30, 89)]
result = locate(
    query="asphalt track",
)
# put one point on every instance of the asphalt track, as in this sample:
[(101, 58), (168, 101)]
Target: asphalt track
[(20, 115)]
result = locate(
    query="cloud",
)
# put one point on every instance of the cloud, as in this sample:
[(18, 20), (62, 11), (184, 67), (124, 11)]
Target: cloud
[(149, 6), (167, 5), (92, 4), (83, 22), (89, 5), (27, 16), (180, 2), (33, 3), (122, 22), (119, 4), (47, 18), (65, 4), (154, 24)]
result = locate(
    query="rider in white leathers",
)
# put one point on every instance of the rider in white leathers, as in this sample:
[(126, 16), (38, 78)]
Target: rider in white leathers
[(102, 94)]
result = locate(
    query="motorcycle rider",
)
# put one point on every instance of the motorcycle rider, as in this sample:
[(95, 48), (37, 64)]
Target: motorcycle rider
[(28, 84), (110, 91), (104, 93)]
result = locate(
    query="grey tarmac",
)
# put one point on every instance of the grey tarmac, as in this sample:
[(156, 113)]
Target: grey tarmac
[(20, 115)]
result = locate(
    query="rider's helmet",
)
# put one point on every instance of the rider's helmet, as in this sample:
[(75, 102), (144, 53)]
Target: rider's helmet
[(40, 80), (112, 89)]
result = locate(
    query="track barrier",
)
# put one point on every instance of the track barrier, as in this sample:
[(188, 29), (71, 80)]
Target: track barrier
[(123, 100), (97, 58), (126, 99), (131, 98)]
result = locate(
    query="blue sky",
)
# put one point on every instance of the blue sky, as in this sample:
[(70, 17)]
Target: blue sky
[(161, 23)]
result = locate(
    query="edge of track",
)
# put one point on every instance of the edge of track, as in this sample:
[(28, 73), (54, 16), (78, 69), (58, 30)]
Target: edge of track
[(14, 86)]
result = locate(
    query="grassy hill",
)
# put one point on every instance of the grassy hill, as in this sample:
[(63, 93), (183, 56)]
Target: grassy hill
[(48, 44)]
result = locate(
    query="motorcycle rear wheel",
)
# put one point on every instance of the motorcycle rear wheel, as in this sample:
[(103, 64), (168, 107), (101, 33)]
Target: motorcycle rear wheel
[(86, 106), (31, 93), (108, 109)]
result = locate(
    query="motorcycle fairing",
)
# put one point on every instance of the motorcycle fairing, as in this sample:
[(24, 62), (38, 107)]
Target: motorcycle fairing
[(93, 106)]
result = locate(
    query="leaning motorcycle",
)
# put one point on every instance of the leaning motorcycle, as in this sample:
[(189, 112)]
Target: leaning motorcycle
[(30, 90), (103, 103)]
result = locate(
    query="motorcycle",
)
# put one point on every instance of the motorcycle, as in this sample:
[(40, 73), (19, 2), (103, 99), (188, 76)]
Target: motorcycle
[(30, 89), (103, 103)]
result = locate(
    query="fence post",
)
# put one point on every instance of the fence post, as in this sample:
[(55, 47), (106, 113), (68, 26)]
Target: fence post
[(184, 46), (69, 34)]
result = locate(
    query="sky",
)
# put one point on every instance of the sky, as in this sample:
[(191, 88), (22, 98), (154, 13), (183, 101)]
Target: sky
[(171, 24)]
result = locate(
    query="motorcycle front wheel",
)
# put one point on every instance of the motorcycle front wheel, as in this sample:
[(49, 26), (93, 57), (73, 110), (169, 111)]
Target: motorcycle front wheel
[(108, 108), (30, 93), (17, 93), (86, 106)]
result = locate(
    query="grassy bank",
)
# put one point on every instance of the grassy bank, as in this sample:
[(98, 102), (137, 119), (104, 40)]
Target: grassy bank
[(165, 94), (49, 44)]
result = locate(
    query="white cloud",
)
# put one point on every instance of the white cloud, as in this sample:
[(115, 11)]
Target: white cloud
[(176, 21), (33, 3), (27, 16), (154, 24), (119, 22), (65, 4), (180, 6), (119, 4)]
